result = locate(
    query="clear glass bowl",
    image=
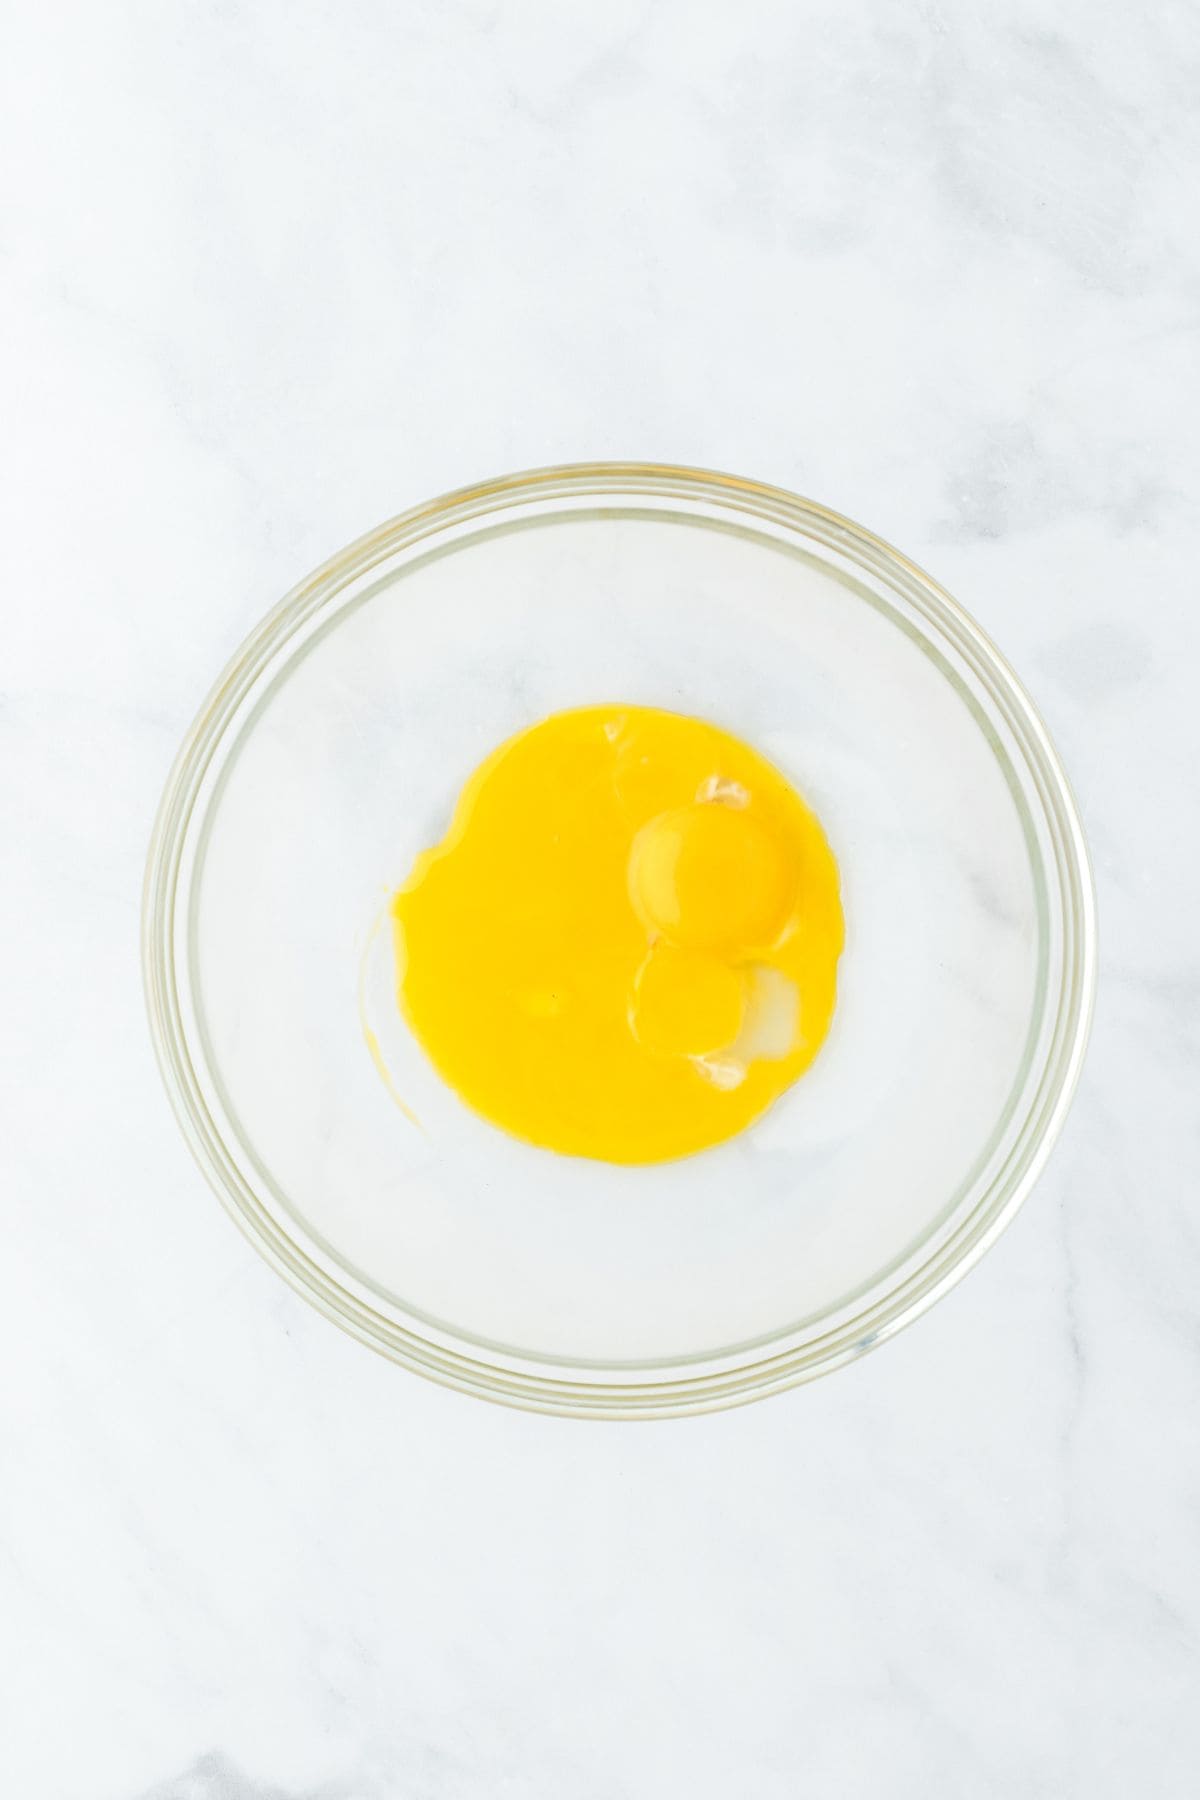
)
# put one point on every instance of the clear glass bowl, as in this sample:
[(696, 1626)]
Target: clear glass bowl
[(332, 749)]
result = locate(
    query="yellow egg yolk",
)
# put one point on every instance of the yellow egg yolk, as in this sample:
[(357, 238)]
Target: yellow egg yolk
[(626, 945)]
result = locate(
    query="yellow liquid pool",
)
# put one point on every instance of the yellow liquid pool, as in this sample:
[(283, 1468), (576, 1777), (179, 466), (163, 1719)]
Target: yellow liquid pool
[(626, 945)]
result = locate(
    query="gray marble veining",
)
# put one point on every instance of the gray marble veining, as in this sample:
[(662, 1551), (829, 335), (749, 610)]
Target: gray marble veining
[(273, 273)]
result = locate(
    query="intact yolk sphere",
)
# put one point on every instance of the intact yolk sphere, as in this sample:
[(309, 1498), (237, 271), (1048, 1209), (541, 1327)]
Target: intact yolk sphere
[(711, 876), (686, 1004), (626, 945)]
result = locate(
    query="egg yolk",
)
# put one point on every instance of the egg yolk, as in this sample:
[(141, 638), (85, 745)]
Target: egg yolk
[(626, 945)]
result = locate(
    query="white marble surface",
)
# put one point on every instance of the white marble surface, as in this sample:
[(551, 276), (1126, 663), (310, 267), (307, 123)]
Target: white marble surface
[(272, 273)]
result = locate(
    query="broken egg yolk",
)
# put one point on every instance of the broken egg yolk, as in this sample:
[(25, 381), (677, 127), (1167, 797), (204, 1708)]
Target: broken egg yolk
[(626, 945)]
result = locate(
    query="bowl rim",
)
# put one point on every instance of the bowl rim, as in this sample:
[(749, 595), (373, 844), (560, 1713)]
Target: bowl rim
[(466, 1370)]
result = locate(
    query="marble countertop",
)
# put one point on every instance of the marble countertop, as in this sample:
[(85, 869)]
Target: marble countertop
[(273, 273)]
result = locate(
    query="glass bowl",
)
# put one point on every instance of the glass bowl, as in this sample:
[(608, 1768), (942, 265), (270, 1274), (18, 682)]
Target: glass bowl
[(332, 749)]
